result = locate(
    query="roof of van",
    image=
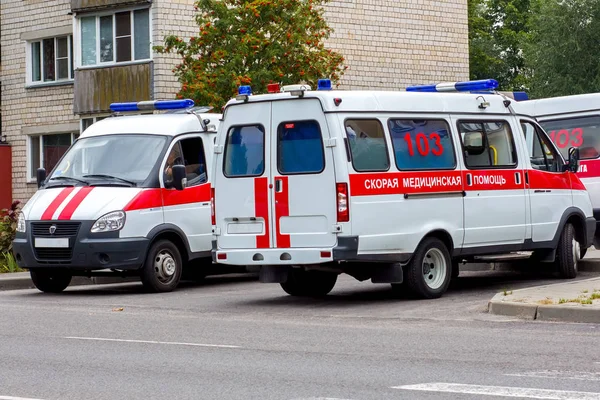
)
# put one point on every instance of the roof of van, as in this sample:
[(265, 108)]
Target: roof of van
[(394, 101), (559, 105), (170, 124)]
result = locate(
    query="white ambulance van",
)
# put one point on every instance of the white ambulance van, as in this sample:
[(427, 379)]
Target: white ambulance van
[(130, 196), (396, 187), (574, 121)]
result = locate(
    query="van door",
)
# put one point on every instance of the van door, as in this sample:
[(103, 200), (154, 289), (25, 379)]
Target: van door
[(548, 186), (189, 209), (242, 178), (494, 182), (303, 173)]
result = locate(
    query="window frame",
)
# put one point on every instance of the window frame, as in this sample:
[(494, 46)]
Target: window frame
[(190, 137), (483, 122), (98, 64), (448, 124), (385, 141), (538, 130), (94, 119), (596, 115), (29, 82), (322, 146), (31, 177), (225, 147)]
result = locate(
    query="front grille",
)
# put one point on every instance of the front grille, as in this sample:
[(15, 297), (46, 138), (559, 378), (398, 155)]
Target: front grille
[(50, 254), (63, 229)]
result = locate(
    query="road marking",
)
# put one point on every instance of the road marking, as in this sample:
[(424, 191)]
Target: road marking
[(581, 376), (15, 398), (502, 391), (227, 346)]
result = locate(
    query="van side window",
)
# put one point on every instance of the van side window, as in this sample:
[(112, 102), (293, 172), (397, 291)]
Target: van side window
[(582, 132), (194, 161), (244, 151), (422, 144), (487, 144), (367, 145), (542, 154), (300, 148)]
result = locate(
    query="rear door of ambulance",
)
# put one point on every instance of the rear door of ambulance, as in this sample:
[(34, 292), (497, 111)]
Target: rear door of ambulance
[(275, 184)]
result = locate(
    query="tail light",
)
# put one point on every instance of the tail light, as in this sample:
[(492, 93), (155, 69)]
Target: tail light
[(343, 208), (213, 220)]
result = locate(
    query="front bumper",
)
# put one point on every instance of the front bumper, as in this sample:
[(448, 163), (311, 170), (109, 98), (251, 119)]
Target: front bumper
[(86, 251)]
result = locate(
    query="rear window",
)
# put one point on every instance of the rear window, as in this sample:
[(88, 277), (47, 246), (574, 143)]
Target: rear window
[(300, 148), (581, 132), (245, 151), (422, 144)]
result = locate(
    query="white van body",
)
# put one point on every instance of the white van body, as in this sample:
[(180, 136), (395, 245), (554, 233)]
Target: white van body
[(106, 205), (376, 184), (574, 121)]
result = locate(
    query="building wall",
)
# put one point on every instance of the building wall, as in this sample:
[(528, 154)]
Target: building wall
[(23, 108), (390, 44)]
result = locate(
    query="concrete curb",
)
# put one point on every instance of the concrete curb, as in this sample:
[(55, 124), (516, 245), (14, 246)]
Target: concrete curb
[(585, 265), (22, 280), (561, 313)]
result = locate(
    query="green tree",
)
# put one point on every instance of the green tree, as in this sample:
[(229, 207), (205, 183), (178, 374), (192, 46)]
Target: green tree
[(254, 42), (497, 29), (563, 47)]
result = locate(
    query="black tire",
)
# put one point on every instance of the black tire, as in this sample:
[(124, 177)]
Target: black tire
[(163, 267), (566, 260), (312, 283), (418, 285), (50, 280)]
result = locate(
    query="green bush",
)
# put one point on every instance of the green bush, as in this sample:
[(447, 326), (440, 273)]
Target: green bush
[(8, 230)]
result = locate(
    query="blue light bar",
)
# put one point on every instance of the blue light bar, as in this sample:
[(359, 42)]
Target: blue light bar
[(245, 90), (324, 84), (152, 105), (468, 86)]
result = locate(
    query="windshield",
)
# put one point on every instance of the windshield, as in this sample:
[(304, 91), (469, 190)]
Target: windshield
[(125, 157), (583, 132)]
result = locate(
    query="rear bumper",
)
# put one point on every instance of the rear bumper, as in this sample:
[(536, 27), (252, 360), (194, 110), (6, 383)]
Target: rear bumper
[(346, 250)]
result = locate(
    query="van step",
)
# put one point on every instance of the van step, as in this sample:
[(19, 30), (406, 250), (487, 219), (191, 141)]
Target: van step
[(522, 255)]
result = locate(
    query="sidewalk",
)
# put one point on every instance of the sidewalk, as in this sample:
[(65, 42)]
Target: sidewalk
[(568, 301), (22, 280)]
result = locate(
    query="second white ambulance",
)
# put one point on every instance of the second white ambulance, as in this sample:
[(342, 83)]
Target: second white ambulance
[(395, 187), (131, 196)]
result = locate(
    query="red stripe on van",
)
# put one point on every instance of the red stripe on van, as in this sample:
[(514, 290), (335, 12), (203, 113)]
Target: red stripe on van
[(261, 210), (576, 183), (498, 179), (70, 208), (589, 169), (195, 194), (149, 198), (282, 209), (405, 183), (62, 195), (549, 180)]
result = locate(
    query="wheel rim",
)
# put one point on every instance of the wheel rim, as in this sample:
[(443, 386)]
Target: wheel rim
[(576, 253), (435, 268), (165, 266)]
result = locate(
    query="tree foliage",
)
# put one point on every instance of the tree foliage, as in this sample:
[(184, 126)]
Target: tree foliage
[(254, 42), (563, 47)]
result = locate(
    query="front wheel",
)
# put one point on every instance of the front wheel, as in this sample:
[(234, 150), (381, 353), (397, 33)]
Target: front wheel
[(428, 273), (50, 280), (309, 283), (163, 267), (568, 253)]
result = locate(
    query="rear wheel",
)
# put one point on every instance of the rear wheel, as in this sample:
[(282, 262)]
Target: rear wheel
[(163, 267), (309, 283), (428, 274), (50, 280), (568, 253)]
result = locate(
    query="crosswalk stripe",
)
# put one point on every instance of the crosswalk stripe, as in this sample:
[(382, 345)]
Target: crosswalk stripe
[(504, 391)]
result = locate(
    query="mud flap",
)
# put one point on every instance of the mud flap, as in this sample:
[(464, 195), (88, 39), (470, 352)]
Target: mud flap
[(387, 273), (273, 274)]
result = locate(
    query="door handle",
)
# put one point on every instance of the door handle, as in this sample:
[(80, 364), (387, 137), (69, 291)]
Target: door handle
[(278, 185), (518, 178)]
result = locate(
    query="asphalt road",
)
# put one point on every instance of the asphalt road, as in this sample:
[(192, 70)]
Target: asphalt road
[(234, 338)]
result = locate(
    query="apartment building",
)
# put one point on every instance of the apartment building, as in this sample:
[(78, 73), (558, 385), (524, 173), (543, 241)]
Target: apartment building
[(63, 62)]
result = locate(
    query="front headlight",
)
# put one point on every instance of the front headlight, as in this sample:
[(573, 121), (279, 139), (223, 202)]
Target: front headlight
[(113, 221), (21, 226)]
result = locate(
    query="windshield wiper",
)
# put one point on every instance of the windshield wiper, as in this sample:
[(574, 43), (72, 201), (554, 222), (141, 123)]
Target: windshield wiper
[(62, 178), (110, 177)]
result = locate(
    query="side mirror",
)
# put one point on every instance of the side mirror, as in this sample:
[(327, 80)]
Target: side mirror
[(179, 177), (40, 176), (573, 159)]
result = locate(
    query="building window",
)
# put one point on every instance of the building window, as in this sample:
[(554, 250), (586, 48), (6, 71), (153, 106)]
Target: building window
[(114, 38), (46, 150), (87, 122), (51, 60)]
